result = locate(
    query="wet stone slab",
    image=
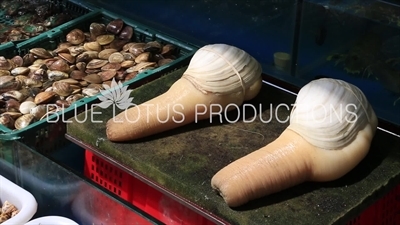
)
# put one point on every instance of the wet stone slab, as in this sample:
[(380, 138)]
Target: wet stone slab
[(185, 159)]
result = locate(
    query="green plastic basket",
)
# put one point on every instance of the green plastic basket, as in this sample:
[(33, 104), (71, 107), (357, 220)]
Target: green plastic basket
[(72, 8), (44, 135)]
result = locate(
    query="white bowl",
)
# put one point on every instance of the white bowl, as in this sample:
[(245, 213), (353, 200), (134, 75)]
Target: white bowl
[(22, 199), (51, 220)]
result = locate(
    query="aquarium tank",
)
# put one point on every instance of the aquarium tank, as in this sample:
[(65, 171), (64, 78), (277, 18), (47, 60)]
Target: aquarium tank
[(295, 41)]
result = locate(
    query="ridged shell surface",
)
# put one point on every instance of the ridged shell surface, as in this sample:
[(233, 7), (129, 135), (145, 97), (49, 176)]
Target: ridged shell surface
[(222, 69), (329, 113)]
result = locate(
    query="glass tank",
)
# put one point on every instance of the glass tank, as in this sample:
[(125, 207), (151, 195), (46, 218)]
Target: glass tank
[(295, 40), (356, 41)]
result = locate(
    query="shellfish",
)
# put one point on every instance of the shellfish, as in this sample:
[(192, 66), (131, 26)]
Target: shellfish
[(217, 74), (331, 124)]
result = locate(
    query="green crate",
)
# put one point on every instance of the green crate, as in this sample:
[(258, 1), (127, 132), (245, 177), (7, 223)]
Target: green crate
[(8, 50), (45, 136), (73, 9)]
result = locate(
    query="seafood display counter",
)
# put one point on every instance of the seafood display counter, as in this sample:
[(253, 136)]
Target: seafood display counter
[(63, 64), (169, 174)]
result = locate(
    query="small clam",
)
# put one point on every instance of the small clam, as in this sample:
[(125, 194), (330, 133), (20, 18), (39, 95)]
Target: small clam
[(168, 50), (146, 68), (111, 66), (62, 88), (90, 71), (67, 57), (126, 33), (4, 73), (126, 47), (107, 74), (128, 56), (141, 66), (120, 75), (127, 63), (37, 66), (60, 65), (73, 98), (96, 29), (81, 66), (30, 82), (75, 37), (87, 56), (76, 89), (44, 97), (28, 59), (92, 46), (13, 115), (153, 46), (115, 26), (77, 75), (48, 89), (76, 50), (144, 57), (62, 47), (14, 94), (55, 75), (26, 107), (41, 53), (162, 62), (62, 103), (96, 63), (70, 81), (21, 79), (20, 71), (49, 61), (17, 60), (39, 74), (90, 91), (105, 53), (8, 83), (105, 39), (5, 64), (30, 92), (7, 121), (130, 76), (93, 79), (12, 105), (38, 111), (137, 48), (116, 57), (24, 121)]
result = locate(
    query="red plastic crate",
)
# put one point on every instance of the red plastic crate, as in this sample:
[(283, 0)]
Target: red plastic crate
[(140, 194), (108, 176), (386, 211)]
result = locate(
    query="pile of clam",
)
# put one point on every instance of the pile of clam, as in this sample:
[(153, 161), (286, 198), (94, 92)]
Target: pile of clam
[(78, 67), (8, 211)]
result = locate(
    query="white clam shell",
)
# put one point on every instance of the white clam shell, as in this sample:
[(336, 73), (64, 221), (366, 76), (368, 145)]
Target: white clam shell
[(223, 69), (26, 107), (329, 113)]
